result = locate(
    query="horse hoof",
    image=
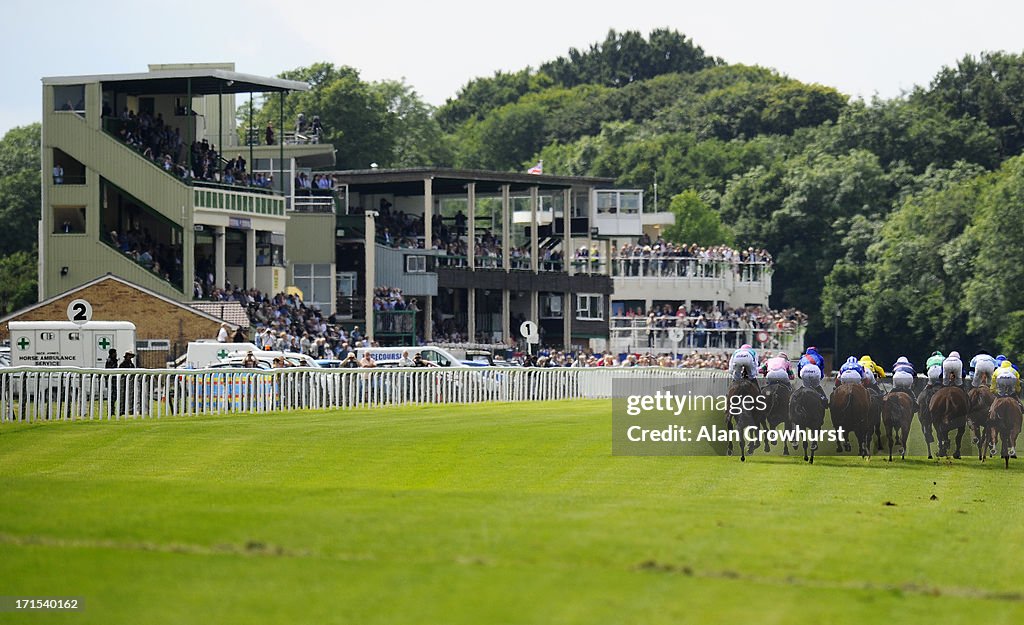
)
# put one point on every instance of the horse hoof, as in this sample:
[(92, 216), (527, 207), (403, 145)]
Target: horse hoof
[(847, 446), (728, 452), (743, 458), (956, 456)]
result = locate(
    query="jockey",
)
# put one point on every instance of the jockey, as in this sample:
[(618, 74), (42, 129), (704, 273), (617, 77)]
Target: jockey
[(872, 366), (953, 369), (982, 367), (777, 369), (1006, 380), (811, 357), (1000, 359), (903, 375), (933, 366), (851, 371), (743, 363)]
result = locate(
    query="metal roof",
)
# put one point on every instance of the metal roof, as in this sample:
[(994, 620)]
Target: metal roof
[(203, 82), (452, 181)]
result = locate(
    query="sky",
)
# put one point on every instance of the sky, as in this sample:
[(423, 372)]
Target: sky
[(878, 47)]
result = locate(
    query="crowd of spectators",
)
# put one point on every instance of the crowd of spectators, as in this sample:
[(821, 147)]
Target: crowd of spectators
[(140, 246), (661, 258), (586, 358)]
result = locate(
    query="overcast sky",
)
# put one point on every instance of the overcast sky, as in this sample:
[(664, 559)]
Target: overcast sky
[(870, 47)]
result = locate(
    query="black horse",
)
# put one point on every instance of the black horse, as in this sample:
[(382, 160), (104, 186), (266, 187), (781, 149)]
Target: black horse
[(743, 412), (806, 412), (777, 396)]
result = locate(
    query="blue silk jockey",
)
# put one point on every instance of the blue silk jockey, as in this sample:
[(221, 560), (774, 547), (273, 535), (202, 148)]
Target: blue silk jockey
[(811, 370), (851, 371), (953, 370), (903, 375), (982, 367), (743, 363)]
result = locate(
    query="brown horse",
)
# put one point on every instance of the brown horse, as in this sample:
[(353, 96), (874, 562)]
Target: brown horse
[(850, 406), (1004, 422), (743, 412), (981, 398), (948, 411), (924, 416), (897, 417), (806, 412), (777, 396)]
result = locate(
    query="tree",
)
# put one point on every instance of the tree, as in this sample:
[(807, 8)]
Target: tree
[(696, 222), (19, 188), (418, 139), (18, 273)]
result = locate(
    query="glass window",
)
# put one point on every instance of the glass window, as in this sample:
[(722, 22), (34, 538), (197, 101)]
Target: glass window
[(415, 263), (629, 202), (314, 280), (269, 249), (590, 307), (606, 202), (551, 305), (69, 98)]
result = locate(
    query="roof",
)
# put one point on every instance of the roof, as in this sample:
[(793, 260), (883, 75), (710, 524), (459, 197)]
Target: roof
[(453, 181), (231, 312), (204, 81), (103, 278)]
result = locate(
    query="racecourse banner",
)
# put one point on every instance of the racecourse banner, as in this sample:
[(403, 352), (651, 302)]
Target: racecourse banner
[(675, 417)]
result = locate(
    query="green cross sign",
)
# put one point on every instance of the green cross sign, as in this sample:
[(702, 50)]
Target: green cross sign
[(23, 343), (104, 343), (222, 353)]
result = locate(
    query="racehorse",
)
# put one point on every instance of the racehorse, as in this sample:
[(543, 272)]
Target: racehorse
[(948, 411), (746, 413), (981, 398), (777, 396), (897, 416), (1004, 421), (806, 412), (874, 423), (850, 405), (924, 416)]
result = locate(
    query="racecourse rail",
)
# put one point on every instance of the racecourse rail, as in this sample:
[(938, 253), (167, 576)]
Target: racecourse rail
[(49, 393)]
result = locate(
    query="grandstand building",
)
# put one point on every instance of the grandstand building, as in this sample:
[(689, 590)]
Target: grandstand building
[(147, 185)]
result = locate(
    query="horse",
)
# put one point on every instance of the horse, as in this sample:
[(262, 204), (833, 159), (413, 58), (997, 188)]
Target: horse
[(850, 405), (948, 411), (806, 412), (747, 414), (874, 423), (924, 416), (777, 396), (981, 398), (1004, 421), (897, 416)]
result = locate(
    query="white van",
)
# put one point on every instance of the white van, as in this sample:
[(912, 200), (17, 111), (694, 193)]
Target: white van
[(389, 356), (202, 354), (67, 344)]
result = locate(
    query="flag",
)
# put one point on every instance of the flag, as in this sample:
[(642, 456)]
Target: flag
[(537, 169)]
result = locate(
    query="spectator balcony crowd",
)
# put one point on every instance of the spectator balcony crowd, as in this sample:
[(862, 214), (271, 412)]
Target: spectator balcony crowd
[(660, 258), (140, 246)]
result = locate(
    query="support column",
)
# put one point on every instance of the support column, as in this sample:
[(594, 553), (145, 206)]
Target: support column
[(534, 240), (370, 261), (428, 319), (506, 262), (219, 257), (506, 316), (567, 250), (471, 231), (250, 259), (471, 314), (567, 315), (428, 213), (535, 306), (590, 233)]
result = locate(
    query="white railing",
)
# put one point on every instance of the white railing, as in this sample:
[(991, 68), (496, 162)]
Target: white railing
[(631, 334), (35, 394)]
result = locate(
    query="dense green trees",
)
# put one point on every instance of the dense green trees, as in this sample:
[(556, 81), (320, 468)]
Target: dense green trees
[(19, 213)]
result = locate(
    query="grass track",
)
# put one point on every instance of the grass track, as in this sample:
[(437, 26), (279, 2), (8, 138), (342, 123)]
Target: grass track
[(498, 513)]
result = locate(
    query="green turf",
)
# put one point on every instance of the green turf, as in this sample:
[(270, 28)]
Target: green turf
[(508, 513)]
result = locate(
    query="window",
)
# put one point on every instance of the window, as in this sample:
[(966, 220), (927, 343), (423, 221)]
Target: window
[(69, 98), (68, 219), (415, 263), (590, 307), (550, 305), (314, 280), (66, 169), (269, 249)]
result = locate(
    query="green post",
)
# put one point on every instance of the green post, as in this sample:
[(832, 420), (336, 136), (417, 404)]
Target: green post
[(280, 142), (249, 138), (220, 121), (191, 125)]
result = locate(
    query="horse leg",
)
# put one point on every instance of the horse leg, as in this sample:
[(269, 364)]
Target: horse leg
[(728, 428), (904, 439), (959, 439), (929, 438), (805, 451)]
